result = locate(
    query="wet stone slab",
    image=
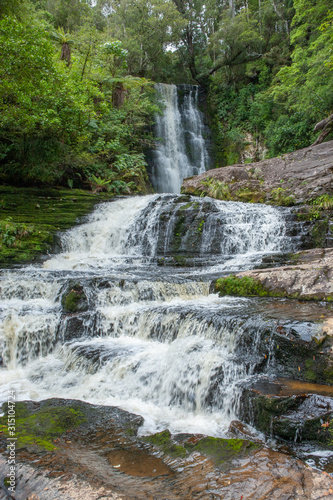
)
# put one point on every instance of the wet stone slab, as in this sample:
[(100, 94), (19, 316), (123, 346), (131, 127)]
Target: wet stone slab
[(101, 456)]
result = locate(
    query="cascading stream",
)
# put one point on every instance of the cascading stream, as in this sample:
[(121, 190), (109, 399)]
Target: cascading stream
[(150, 338)]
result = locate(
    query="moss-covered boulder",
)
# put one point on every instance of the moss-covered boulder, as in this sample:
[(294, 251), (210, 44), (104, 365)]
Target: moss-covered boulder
[(40, 428), (74, 299)]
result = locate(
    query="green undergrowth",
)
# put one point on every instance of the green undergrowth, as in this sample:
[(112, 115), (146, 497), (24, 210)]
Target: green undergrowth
[(30, 217), (42, 428)]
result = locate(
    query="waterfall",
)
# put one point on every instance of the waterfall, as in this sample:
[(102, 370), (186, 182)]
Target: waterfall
[(182, 151), (152, 339)]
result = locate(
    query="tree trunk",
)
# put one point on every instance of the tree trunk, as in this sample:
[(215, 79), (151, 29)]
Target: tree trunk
[(326, 126)]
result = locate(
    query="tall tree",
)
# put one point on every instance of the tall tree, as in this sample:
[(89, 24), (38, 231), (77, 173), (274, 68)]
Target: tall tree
[(146, 29)]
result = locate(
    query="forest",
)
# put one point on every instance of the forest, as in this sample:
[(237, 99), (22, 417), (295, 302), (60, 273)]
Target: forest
[(77, 97)]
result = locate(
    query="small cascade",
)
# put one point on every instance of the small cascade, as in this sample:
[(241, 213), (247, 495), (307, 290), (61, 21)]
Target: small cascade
[(182, 151), (157, 226), (150, 339)]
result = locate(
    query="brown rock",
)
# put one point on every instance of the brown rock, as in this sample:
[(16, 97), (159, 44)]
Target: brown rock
[(311, 277), (303, 175)]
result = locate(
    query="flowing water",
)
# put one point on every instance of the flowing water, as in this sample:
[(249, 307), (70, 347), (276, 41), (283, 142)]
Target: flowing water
[(182, 151), (152, 338)]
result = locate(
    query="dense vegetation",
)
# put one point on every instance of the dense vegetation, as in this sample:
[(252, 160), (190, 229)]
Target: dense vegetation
[(77, 98)]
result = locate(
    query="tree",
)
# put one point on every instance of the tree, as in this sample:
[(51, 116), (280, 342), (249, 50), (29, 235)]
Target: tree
[(146, 29), (305, 86), (65, 42), (17, 8)]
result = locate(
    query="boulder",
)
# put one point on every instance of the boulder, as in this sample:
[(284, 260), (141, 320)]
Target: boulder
[(294, 417), (293, 178), (310, 277)]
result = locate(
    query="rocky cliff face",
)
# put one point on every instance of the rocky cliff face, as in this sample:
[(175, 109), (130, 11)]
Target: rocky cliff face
[(293, 178)]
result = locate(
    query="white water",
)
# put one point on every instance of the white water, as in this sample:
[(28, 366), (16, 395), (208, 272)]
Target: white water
[(153, 341), (182, 151)]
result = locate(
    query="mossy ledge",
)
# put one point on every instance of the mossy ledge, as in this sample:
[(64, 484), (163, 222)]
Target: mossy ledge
[(164, 442), (30, 218), (219, 450), (246, 286), (242, 287), (41, 429)]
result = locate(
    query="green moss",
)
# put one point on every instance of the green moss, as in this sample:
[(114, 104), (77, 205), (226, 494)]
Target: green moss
[(188, 205), (309, 363), (243, 287), (30, 217), (310, 376), (71, 301), (318, 232), (251, 287), (42, 427), (328, 375), (222, 450), (200, 227), (249, 196), (75, 300), (163, 441), (178, 231)]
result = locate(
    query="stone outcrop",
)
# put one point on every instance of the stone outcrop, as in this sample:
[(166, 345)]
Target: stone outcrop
[(292, 417), (309, 278), (293, 178)]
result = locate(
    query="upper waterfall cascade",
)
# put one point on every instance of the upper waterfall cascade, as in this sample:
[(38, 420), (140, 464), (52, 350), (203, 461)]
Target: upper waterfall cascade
[(182, 151), (150, 339)]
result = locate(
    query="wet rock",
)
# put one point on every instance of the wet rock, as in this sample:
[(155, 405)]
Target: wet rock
[(99, 455), (75, 326), (293, 178), (294, 418), (243, 431), (310, 277), (74, 299)]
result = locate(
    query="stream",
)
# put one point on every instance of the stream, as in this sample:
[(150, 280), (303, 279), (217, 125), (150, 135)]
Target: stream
[(150, 336)]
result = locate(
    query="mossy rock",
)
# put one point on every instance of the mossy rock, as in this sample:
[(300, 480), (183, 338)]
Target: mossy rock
[(164, 442), (289, 417), (222, 451), (74, 300), (240, 287), (41, 428)]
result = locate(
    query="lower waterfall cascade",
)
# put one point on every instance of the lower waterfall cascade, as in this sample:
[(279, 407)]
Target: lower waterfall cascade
[(149, 338), (183, 150)]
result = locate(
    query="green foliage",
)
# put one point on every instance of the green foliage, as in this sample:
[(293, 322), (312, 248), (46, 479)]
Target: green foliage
[(217, 189), (146, 28), (280, 196), (323, 202), (89, 110), (64, 123)]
